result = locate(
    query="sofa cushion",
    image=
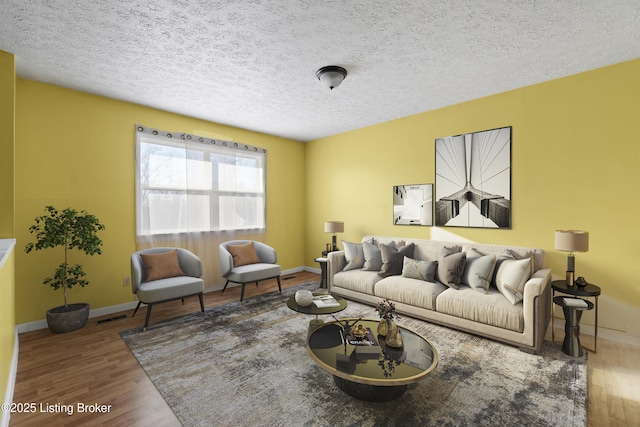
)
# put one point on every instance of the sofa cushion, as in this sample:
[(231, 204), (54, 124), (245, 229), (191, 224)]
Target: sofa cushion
[(421, 270), (354, 255), (414, 292), (392, 259), (511, 278), (451, 268), (356, 280), (372, 257), (492, 308), (478, 271), (161, 266)]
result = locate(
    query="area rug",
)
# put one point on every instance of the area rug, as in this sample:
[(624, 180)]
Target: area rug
[(247, 365)]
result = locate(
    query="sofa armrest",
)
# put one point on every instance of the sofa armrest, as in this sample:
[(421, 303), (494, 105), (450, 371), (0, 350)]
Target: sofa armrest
[(537, 284), (336, 262)]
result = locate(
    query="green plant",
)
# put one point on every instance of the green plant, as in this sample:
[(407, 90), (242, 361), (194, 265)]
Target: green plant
[(69, 229)]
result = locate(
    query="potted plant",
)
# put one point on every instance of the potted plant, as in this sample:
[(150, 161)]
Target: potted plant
[(69, 229)]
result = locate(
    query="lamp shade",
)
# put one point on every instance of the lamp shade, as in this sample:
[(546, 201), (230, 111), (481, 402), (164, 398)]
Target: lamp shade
[(572, 240), (334, 227)]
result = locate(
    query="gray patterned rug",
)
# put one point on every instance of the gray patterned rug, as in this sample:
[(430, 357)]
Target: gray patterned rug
[(248, 366)]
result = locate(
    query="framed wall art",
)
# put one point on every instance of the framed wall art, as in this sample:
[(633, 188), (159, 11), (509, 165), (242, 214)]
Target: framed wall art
[(413, 204), (473, 179)]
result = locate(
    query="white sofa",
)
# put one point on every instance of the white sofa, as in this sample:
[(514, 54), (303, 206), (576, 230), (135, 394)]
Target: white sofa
[(487, 311)]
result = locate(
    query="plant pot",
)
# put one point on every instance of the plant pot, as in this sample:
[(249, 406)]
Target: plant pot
[(66, 319)]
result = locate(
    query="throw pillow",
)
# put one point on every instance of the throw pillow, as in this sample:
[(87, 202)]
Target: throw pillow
[(508, 254), (450, 250), (478, 271), (511, 278), (392, 259), (354, 255), (451, 268), (421, 270), (162, 265), (372, 257), (244, 254)]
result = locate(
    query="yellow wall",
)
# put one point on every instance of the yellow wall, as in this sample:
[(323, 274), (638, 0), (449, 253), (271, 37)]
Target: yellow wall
[(76, 149), (575, 155), (7, 115), (7, 285), (7, 322)]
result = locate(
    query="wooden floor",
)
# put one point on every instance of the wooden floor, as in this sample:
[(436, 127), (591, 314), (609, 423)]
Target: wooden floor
[(94, 366)]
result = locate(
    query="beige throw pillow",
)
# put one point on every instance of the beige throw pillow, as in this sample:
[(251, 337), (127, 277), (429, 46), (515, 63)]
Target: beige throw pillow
[(243, 254), (162, 265), (511, 277)]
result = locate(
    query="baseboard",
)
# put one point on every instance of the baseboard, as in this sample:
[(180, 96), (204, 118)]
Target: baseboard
[(104, 311), (11, 383), (609, 334)]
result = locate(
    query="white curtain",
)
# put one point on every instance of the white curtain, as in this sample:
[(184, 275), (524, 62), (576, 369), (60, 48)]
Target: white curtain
[(195, 193)]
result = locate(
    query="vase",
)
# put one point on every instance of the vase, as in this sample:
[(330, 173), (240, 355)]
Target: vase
[(393, 338), (385, 326)]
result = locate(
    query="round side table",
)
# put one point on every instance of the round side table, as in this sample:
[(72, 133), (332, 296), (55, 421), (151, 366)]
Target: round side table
[(572, 313), (589, 291)]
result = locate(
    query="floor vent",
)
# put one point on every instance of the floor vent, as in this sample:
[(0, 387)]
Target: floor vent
[(288, 277), (123, 316)]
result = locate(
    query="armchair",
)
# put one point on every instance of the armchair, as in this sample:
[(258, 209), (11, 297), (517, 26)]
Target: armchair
[(165, 274), (246, 261)]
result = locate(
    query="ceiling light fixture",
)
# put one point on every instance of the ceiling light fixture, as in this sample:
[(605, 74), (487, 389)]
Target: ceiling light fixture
[(331, 75)]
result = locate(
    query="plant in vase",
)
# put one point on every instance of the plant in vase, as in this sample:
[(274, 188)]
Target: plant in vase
[(69, 229), (387, 311), (387, 328)]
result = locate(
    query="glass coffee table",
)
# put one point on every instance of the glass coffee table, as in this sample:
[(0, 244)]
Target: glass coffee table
[(376, 373)]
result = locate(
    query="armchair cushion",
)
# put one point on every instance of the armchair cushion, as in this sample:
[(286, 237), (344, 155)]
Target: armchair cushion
[(244, 254), (162, 265)]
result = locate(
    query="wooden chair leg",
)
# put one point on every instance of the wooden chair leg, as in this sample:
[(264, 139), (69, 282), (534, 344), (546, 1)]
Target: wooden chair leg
[(256, 284), (137, 307), (146, 322)]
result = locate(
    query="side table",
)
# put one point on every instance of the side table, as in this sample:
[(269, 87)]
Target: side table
[(571, 344), (323, 268), (589, 291)]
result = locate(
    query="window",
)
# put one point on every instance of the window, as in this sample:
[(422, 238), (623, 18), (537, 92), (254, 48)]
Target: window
[(187, 183)]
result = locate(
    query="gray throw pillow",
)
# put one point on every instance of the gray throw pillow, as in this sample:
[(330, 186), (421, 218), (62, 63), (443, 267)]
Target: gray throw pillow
[(421, 270), (478, 272), (354, 255), (372, 257), (392, 259), (451, 268)]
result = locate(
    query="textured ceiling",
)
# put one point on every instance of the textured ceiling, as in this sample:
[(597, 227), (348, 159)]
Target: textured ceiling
[(252, 63)]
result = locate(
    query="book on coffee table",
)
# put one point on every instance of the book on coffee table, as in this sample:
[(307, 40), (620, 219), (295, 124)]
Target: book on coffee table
[(324, 301), (367, 341)]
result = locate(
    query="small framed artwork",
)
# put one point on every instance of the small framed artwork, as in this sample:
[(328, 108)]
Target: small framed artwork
[(413, 204), (473, 179)]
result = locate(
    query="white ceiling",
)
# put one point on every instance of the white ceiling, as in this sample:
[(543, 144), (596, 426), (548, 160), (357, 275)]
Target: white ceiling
[(252, 63)]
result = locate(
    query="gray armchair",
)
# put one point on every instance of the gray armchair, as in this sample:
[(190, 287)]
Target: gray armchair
[(263, 268), (169, 280)]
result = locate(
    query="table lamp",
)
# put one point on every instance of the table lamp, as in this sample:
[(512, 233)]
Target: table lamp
[(334, 227), (571, 241)]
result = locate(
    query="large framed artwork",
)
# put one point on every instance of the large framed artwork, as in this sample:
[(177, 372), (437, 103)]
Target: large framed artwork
[(413, 204), (473, 179)]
